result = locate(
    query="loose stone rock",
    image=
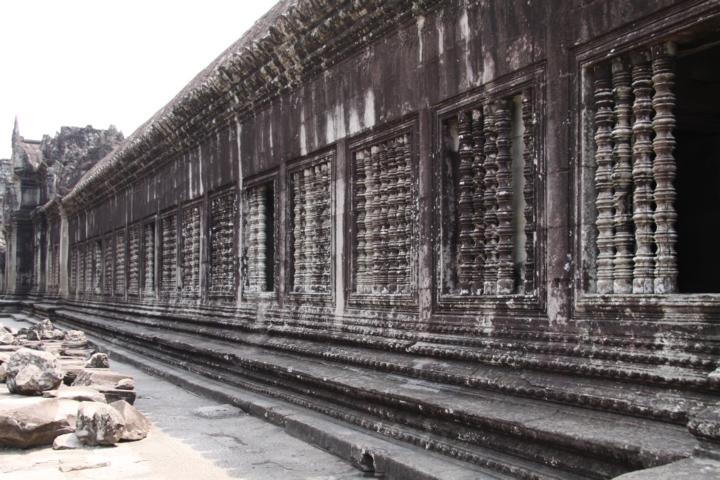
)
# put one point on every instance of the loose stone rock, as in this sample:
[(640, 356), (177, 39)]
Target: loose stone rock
[(32, 335), (7, 338), (217, 411), (75, 339), (99, 424), (81, 394), (82, 466), (31, 372), (3, 373), (98, 360), (125, 384), (32, 422), (68, 441), (137, 425)]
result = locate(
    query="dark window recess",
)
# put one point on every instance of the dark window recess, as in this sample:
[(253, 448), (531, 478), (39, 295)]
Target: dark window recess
[(697, 153)]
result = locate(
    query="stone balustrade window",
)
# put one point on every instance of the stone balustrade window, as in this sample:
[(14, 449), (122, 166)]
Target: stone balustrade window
[(311, 227), (120, 263), (73, 261), (223, 267), (653, 196), (108, 258), (384, 217), (89, 268), (134, 240), (488, 198), (148, 242), (190, 229), (97, 266), (259, 231), (168, 253)]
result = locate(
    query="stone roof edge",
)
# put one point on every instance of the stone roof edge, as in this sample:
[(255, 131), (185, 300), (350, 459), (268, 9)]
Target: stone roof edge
[(254, 58)]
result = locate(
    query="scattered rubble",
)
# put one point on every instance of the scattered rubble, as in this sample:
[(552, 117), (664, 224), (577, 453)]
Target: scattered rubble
[(68, 441), (125, 384), (99, 424), (137, 426), (31, 372), (75, 339), (7, 338), (98, 360), (32, 422), (60, 390), (81, 394)]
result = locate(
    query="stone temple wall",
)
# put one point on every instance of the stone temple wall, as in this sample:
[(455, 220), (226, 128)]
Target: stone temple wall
[(441, 166), (493, 183)]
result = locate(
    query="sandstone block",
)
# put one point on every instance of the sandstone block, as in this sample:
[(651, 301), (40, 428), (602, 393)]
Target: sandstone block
[(31, 372), (137, 426), (99, 424)]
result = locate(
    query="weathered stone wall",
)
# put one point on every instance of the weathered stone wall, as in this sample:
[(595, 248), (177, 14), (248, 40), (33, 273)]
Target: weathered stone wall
[(502, 63)]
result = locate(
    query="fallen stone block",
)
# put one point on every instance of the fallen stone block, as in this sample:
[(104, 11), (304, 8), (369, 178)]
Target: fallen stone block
[(81, 394), (68, 441), (125, 384), (7, 338), (32, 422), (99, 424), (75, 339), (98, 360), (3, 373), (73, 467), (137, 426), (31, 372), (102, 376), (217, 411)]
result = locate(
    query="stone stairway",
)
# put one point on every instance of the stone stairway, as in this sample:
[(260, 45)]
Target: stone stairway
[(518, 407)]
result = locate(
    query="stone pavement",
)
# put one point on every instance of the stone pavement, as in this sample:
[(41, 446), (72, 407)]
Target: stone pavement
[(192, 437)]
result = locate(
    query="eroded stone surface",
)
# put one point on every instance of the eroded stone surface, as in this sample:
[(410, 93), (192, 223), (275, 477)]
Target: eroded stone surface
[(29, 422), (99, 424), (31, 372), (98, 360), (67, 441), (137, 426), (81, 394)]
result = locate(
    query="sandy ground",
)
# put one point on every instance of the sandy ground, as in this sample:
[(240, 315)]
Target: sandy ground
[(182, 445)]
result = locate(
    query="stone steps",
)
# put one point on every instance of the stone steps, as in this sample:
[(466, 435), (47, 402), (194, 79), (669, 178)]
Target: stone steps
[(608, 395), (641, 362), (592, 444)]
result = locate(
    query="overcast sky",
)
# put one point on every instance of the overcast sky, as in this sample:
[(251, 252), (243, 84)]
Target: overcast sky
[(101, 62)]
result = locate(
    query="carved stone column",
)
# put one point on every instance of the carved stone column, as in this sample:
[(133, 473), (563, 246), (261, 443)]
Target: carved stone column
[(642, 173), (465, 258), (490, 203), (505, 275), (478, 175), (527, 274), (622, 178), (120, 264), (664, 169), (361, 214), (603, 179)]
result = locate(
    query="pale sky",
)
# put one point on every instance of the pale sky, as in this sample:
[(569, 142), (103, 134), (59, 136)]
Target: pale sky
[(100, 62)]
